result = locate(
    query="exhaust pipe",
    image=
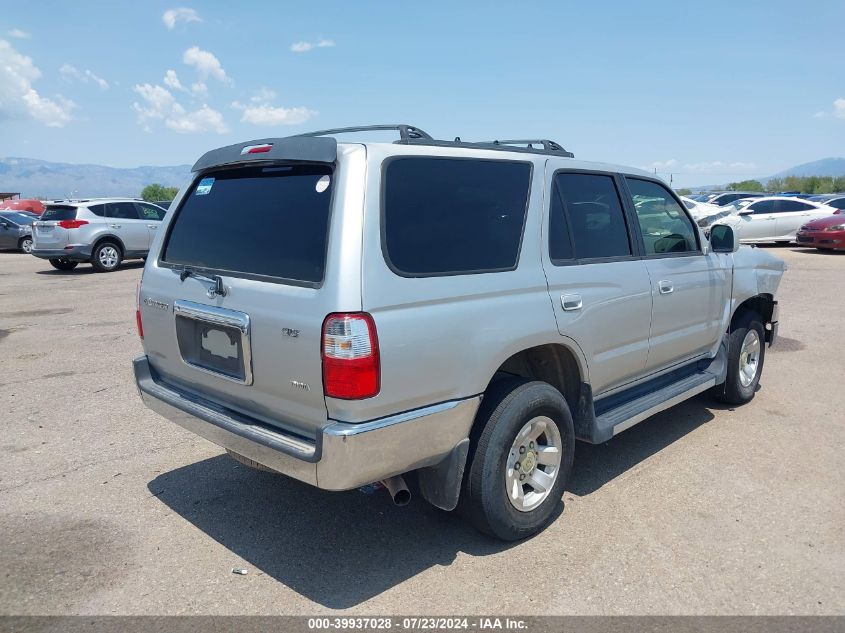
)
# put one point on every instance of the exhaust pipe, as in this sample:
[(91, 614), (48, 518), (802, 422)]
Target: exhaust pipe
[(398, 490)]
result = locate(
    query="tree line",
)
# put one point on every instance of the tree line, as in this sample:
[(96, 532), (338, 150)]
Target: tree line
[(801, 184), (158, 193)]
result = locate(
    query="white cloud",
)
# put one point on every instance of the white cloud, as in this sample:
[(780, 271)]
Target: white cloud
[(199, 88), (260, 111), (180, 14), (18, 99), (705, 168), (159, 104), (171, 80), (839, 108), (203, 120), (304, 47), (19, 34), (206, 64), (71, 73)]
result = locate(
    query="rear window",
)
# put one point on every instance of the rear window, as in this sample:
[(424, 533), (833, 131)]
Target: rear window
[(255, 221), (453, 216), (58, 212)]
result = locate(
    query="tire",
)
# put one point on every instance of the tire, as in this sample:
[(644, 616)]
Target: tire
[(508, 408), (246, 461), (63, 264), (739, 385), (106, 257), (25, 244)]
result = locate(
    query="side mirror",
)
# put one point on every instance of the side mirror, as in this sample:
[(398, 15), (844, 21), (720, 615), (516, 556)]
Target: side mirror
[(723, 239), (5, 225)]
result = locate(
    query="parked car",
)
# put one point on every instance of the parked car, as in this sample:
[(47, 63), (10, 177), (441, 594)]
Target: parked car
[(25, 204), (730, 197), (102, 231), (16, 231), (824, 233), (774, 219), (836, 201), (381, 308), (699, 210), (164, 204)]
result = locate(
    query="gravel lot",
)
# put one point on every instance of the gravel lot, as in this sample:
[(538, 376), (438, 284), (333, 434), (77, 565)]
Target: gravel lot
[(106, 508)]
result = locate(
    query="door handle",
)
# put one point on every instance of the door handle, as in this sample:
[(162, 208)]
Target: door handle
[(571, 303), (114, 226), (665, 287), (152, 226)]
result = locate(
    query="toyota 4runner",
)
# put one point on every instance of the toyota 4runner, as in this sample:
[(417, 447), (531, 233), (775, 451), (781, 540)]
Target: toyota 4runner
[(347, 313)]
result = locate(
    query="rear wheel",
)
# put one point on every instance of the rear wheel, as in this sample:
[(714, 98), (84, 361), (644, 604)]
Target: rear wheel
[(106, 257), (746, 352), (63, 264), (25, 244), (521, 460)]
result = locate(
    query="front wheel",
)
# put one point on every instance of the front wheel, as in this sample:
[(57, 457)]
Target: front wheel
[(521, 460), (746, 352), (25, 244), (63, 264), (106, 257)]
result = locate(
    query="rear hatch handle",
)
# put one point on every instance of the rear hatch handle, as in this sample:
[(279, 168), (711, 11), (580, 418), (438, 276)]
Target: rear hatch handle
[(216, 290)]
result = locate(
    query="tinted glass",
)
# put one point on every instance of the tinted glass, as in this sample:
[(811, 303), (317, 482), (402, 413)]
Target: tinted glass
[(787, 206), (594, 211), (454, 216), (98, 209), (838, 203), (121, 210), (764, 206), (18, 218), (150, 212), (560, 241), (58, 212), (664, 225), (270, 221)]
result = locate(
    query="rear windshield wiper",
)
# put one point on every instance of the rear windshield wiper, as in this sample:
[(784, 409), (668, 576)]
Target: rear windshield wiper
[(218, 289)]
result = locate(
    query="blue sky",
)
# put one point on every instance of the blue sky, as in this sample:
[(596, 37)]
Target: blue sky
[(709, 91)]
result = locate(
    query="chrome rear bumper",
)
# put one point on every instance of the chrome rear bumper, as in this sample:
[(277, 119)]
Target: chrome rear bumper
[(344, 456)]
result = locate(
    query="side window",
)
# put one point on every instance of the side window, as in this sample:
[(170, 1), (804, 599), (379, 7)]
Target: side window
[(764, 206), (788, 206), (664, 225), (838, 203), (98, 209), (150, 212), (451, 216), (121, 210), (586, 218)]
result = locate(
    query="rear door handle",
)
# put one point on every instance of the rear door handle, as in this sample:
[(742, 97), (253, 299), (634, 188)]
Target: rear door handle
[(114, 226), (152, 226), (665, 286), (571, 303)]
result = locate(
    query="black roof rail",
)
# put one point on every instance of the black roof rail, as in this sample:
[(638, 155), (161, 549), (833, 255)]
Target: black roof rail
[(546, 144), (406, 132)]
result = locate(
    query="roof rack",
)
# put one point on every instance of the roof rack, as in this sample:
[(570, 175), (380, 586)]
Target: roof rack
[(406, 132)]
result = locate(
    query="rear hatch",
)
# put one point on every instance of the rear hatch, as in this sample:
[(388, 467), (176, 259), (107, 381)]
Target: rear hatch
[(260, 233), (48, 231)]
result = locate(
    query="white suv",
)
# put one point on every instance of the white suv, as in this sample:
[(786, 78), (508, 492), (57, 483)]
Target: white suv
[(102, 231)]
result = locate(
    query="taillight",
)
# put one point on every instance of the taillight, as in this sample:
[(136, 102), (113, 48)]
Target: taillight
[(72, 224), (351, 367), (138, 311)]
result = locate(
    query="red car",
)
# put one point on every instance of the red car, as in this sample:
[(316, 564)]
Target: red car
[(823, 233), (33, 206)]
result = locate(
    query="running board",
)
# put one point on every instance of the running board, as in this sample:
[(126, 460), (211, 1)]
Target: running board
[(628, 414)]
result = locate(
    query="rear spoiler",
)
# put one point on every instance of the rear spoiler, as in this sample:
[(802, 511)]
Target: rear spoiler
[(306, 149)]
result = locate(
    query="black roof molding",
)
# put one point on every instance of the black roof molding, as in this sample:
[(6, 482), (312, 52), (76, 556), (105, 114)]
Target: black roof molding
[(406, 132), (308, 149)]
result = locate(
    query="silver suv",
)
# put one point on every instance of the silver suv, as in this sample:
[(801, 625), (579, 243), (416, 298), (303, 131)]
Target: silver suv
[(103, 231), (346, 313)]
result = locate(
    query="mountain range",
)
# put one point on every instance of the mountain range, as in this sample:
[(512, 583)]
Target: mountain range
[(44, 179)]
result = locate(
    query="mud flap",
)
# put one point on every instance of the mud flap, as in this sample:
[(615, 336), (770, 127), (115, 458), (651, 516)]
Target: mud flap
[(440, 484)]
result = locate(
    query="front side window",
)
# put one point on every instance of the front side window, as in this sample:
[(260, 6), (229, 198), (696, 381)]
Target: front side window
[(586, 220), (764, 206), (664, 225), (444, 216), (150, 212)]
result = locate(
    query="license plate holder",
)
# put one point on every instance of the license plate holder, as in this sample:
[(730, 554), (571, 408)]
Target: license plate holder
[(214, 340)]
